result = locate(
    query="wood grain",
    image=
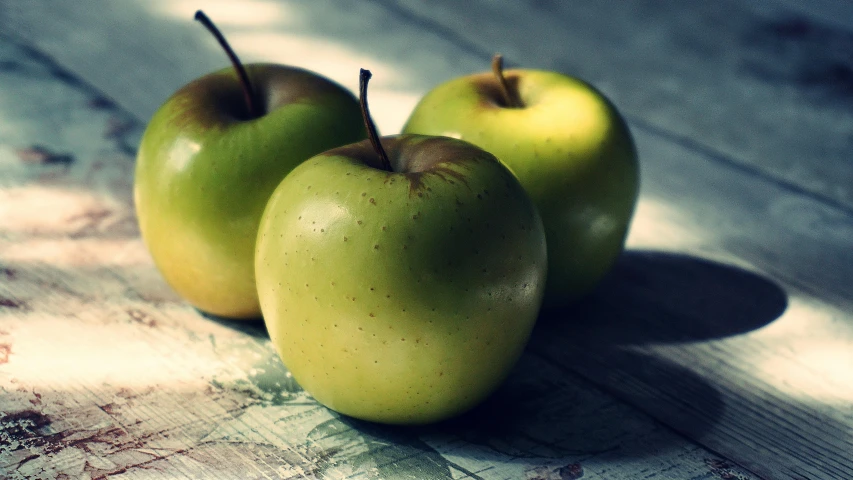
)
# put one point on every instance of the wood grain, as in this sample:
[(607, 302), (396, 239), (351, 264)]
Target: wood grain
[(104, 372), (729, 319), (765, 85)]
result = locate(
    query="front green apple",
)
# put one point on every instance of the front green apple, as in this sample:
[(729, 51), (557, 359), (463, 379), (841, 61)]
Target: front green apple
[(568, 146), (405, 295), (206, 168)]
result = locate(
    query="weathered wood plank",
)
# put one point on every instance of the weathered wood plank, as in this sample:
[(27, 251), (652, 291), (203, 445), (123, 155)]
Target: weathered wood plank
[(105, 372), (766, 85), (786, 383), (780, 388), (141, 53)]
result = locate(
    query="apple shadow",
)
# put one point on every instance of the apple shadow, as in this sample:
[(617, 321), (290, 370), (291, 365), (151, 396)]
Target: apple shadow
[(582, 389), (585, 387), (254, 327), (660, 297), (547, 412)]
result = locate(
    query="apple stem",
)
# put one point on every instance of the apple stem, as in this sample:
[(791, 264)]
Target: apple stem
[(364, 77), (511, 98), (248, 91)]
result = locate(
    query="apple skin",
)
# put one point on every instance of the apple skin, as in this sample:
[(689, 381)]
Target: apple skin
[(569, 147), (401, 297), (205, 172)]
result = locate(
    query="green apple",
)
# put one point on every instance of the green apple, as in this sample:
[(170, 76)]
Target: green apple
[(569, 147), (210, 158), (400, 288)]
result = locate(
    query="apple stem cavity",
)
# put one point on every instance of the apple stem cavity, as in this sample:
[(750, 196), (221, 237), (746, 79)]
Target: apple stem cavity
[(363, 79), (510, 96), (248, 91)]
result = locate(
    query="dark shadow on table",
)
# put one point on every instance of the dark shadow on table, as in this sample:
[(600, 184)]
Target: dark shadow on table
[(553, 405), (254, 327), (544, 419), (660, 297), (548, 411), (576, 392)]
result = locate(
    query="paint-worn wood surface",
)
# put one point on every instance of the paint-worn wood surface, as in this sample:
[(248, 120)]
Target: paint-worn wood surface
[(727, 327), (104, 372)]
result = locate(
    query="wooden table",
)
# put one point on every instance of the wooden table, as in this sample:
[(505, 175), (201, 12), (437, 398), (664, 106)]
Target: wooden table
[(720, 347)]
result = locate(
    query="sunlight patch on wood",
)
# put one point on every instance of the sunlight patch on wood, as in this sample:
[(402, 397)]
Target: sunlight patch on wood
[(658, 224), (82, 252), (245, 13), (54, 352), (817, 363), (38, 209), (831, 361), (389, 106)]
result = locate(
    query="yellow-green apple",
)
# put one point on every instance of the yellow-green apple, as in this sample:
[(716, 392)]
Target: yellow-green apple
[(210, 158), (569, 147), (400, 280)]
